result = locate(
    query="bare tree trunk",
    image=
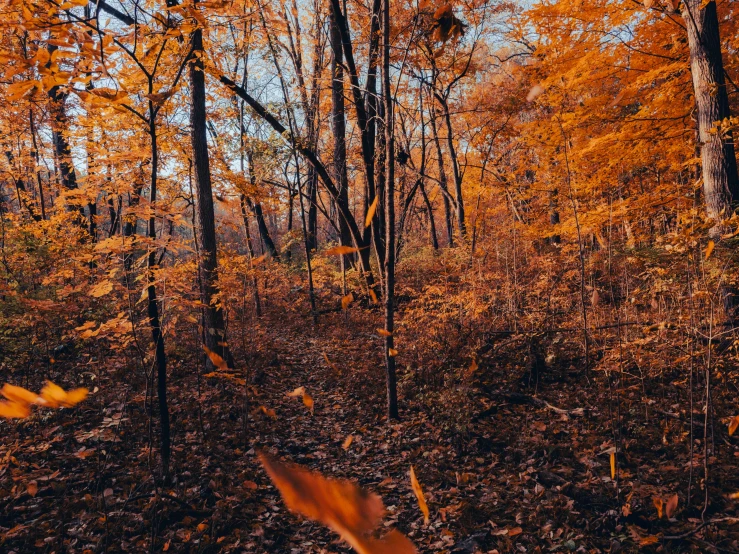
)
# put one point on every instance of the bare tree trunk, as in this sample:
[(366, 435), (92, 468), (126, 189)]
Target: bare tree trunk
[(459, 208), (338, 124), (152, 307), (215, 334), (718, 159), (720, 181), (392, 392), (442, 180)]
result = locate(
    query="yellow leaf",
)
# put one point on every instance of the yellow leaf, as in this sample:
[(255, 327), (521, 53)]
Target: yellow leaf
[(53, 396), (671, 506), (202, 527), (418, 491), (709, 248), (19, 394), (733, 425), (346, 300), (341, 505), (384, 333), (14, 410), (101, 289), (341, 250), (348, 442), (217, 361), (371, 212), (300, 391), (392, 352), (613, 465)]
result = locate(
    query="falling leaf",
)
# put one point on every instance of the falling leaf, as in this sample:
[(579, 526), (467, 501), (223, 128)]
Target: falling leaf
[(418, 491), (371, 212), (539, 426), (14, 410), (671, 506), (268, 412), (308, 401), (32, 488), (330, 363), (217, 361), (659, 505), (53, 396), (259, 260), (384, 333), (613, 465), (648, 540), (648, 3), (346, 300), (515, 531), (709, 248), (733, 425), (373, 296), (341, 505), (347, 442), (101, 289), (341, 250), (392, 352), (19, 394), (300, 391), (535, 91)]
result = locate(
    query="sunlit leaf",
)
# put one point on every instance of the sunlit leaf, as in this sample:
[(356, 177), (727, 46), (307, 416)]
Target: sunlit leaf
[(384, 333), (341, 250), (709, 248), (418, 491), (346, 300), (217, 361), (371, 212), (341, 505)]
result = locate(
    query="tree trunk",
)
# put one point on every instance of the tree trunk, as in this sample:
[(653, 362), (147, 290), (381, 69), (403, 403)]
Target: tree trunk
[(338, 124), (720, 181), (392, 392), (152, 307), (459, 208), (215, 332), (443, 180)]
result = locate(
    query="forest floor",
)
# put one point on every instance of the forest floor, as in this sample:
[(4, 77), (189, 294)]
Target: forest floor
[(517, 468)]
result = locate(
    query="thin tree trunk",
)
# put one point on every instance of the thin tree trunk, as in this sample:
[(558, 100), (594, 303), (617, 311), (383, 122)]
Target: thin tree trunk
[(215, 335), (459, 208), (392, 392), (442, 179), (152, 307), (338, 124)]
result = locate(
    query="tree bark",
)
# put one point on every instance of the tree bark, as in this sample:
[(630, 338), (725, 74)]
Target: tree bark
[(392, 392), (215, 332), (338, 124), (720, 181), (443, 183)]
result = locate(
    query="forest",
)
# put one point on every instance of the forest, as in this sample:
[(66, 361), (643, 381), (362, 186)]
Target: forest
[(372, 276)]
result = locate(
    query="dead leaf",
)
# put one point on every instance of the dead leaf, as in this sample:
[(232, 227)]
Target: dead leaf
[(733, 425), (515, 531), (392, 352), (32, 488), (709, 248), (659, 505), (217, 361), (418, 491), (384, 333), (371, 212), (613, 465), (671, 506), (346, 300), (347, 442), (341, 505), (539, 426), (341, 250), (101, 289)]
